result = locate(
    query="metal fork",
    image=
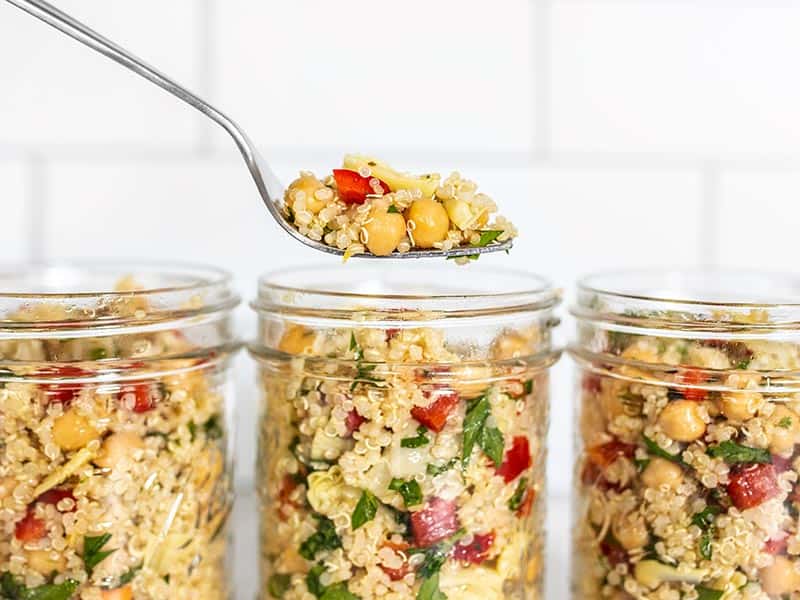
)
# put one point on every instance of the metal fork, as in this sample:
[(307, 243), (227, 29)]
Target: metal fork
[(267, 183)]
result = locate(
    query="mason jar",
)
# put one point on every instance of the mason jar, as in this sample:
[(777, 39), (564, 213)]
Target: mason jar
[(115, 405), (402, 432), (689, 419)]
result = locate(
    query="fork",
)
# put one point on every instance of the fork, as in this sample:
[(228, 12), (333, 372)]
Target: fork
[(267, 183)]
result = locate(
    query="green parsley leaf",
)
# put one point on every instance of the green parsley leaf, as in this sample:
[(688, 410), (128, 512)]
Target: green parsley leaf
[(325, 538), (355, 348), (14, 590), (409, 490), (474, 421), (487, 237), (733, 453), (429, 590), (313, 583), (338, 591), (128, 576), (93, 553), (641, 463), (704, 545), (98, 354), (705, 518), (364, 375), (656, 450), (528, 387), (491, 441), (704, 593), (785, 422), (365, 510), (278, 584), (434, 470), (519, 495), (436, 555), (419, 440), (392, 209)]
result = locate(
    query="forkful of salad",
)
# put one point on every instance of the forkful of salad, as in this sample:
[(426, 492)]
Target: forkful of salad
[(364, 209)]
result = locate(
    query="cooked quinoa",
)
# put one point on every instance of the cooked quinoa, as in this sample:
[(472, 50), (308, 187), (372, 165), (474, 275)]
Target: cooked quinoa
[(368, 207), (688, 473), (392, 467), (113, 476)]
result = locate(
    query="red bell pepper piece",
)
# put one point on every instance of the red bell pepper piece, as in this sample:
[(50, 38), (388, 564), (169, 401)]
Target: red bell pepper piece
[(476, 551), (353, 421), (691, 376), (32, 528), (752, 485), (518, 459), (398, 573), (139, 396), (437, 521), (353, 188), (62, 393), (434, 416)]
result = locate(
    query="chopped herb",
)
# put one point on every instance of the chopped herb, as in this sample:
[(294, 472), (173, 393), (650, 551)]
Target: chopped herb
[(278, 584), (656, 450), (429, 590), (519, 495), (392, 209), (641, 463), (436, 555), (325, 538), (93, 553), (365, 510), (11, 589), (212, 428), (313, 583), (618, 341), (419, 440), (785, 422), (527, 387), (487, 237), (355, 348), (490, 439), (409, 490), (128, 576), (704, 593), (704, 545), (364, 375), (733, 453), (98, 354), (338, 591), (434, 470), (705, 521)]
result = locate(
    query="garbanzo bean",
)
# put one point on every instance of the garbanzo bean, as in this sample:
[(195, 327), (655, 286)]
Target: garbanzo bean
[(784, 432), (780, 577), (384, 230), (662, 472), (123, 593), (430, 222), (297, 340), (740, 406), (45, 561), (630, 531), (510, 345), (308, 186), (72, 431), (682, 420), (123, 444)]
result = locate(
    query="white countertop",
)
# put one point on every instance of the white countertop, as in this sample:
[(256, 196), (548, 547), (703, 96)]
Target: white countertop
[(245, 558)]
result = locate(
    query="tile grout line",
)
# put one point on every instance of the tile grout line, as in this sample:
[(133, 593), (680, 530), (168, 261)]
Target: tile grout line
[(37, 199), (540, 52), (709, 210)]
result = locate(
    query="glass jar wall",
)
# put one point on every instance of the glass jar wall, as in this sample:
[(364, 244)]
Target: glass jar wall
[(689, 419), (115, 470), (402, 433)]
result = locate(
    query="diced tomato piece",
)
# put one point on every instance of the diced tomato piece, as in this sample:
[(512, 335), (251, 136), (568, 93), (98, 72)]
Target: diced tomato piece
[(55, 496), (140, 396), (752, 485), (605, 454), (777, 545), (62, 393), (353, 421), (288, 485), (434, 416), (691, 376), (353, 188), (612, 550), (591, 383), (398, 573), (391, 333), (437, 521), (518, 459), (527, 504), (476, 551), (30, 528), (782, 464)]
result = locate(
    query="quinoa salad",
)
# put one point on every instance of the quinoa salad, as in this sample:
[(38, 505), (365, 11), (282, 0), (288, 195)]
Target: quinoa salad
[(393, 468), (688, 473), (368, 207), (113, 476)]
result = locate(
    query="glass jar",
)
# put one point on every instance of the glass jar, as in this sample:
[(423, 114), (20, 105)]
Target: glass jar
[(402, 434), (689, 419), (115, 403)]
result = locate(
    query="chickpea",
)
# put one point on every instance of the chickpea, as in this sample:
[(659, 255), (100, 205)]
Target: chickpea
[(7, 485), (472, 381), (660, 472), (780, 577), (784, 432), (385, 231), (430, 222), (682, 420), (73, 431), (630, 531), (308, 186), (297, 340), (117, 446), (45, 561), (510, 345), (123, 593), (740, 406)]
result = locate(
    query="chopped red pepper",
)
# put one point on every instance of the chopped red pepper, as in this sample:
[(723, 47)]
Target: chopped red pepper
[(600, 457), (353, 188), (777, 545), (527, 504), (55, 496), (402, 571), (691, 376), (434, 416), (353, 421), (613, 551), (139, 396), (288, 485), (752, 485), (476, 551), (62, 393), (518, 459), (392, 333), (591, 383), (437, 521), (32, 528)]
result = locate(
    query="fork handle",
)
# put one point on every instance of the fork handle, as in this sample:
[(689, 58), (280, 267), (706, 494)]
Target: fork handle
[(270, 189)]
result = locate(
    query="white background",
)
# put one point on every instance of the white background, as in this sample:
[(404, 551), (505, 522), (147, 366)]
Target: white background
[(613, 132)]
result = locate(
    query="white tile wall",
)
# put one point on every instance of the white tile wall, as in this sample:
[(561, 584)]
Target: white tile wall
[(614, 132)]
